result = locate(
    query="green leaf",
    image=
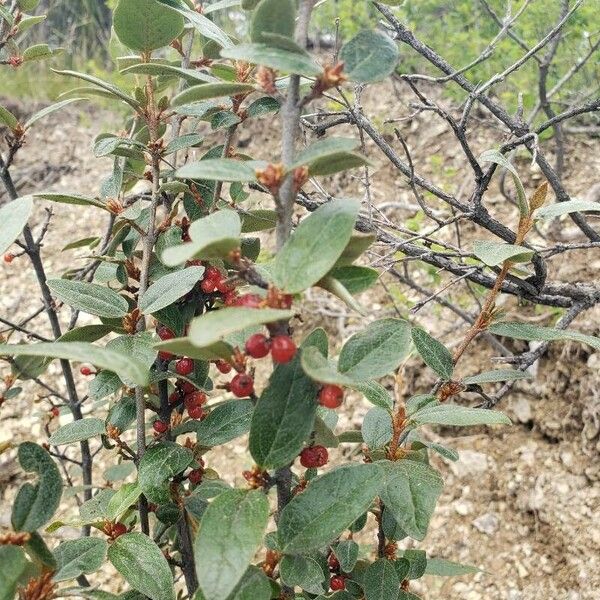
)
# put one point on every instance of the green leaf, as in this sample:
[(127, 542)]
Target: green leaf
[(258, 220), (158, 465), (76, 431), (410, 493), (323, 370), (15, 570), (119, 471), (498, 158), (213, 236), (369, 56), (122, 414), (377, 428), (48, 111), (274, 58), (358, 244), (219, 5), (216, 325), (144, 25), (108, 87), (170, 288), (91, 298), (159, 69), (76, 557), (380, 581), (206, 91), (184, 347), (95, 509), (36, 52), (284, 415), (35, 504), (495, 253), (273, 16), (182, 142), (203, 25), (375, 393), (39, 552), (262, 106), (254, 585), (322, 149), (354, 278), (142, 564), (13, 217), (120, 503), (124, 366), (225, 422), (138, 347), (29, 21), (497, 375), (302, 571), (434, 353), (453, 414), (563, 208), (28, 5), (218, 169), (8, 118), (376, 351), (335, 163), (76, 199), (336, 287), (446, 568), (346, 552), (230, 533), (104, 384), (330, 504), (417, 563), (526, 331), (315, 246)]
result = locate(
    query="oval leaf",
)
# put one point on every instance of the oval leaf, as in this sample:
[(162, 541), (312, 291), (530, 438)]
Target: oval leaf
[(13, 217), (91, 298), (369, 56), (170, 288), (77, 431), (434, 353)]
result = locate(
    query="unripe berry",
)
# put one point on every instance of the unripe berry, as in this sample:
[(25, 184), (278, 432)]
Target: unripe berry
[(242, 385), (195, 476), (283, 349), (85, 371), (223, 366), (118, 529), (184, 366), (208, 286), (213, 273), (164, 333), (195, 412), (249, 301), (314, 457), (257, 346), (337, 582), (197, 398), (331, 396), (160, 426)]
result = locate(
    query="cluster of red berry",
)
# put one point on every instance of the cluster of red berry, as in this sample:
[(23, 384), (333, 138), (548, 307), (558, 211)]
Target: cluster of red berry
[(281, 347), (337, 581)]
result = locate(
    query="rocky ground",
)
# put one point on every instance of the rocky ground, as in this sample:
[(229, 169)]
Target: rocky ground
[(522, 503)]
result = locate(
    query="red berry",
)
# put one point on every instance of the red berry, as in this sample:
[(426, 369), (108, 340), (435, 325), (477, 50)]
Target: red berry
[(195, 412), (118, 529), (223, 366), (208, 286), (242, 385), (195, 476), (164, 333), (174, 397), (331, 396), (249, 301), (257, 346), (213, 273), (54, 411), (166, 356), (333, 562), (184, 366), (85, 371), (197, 398), (286, 301), (8, 257), (185, 386), (283, 348), (337, 582), (160, 426), (230, 298), (314, 457)]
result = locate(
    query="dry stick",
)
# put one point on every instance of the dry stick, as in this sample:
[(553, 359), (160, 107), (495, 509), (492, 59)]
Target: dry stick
[(33, 251)]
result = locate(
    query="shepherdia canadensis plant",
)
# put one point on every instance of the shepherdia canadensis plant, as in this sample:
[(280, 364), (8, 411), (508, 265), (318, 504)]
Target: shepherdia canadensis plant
[(184, 312)]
